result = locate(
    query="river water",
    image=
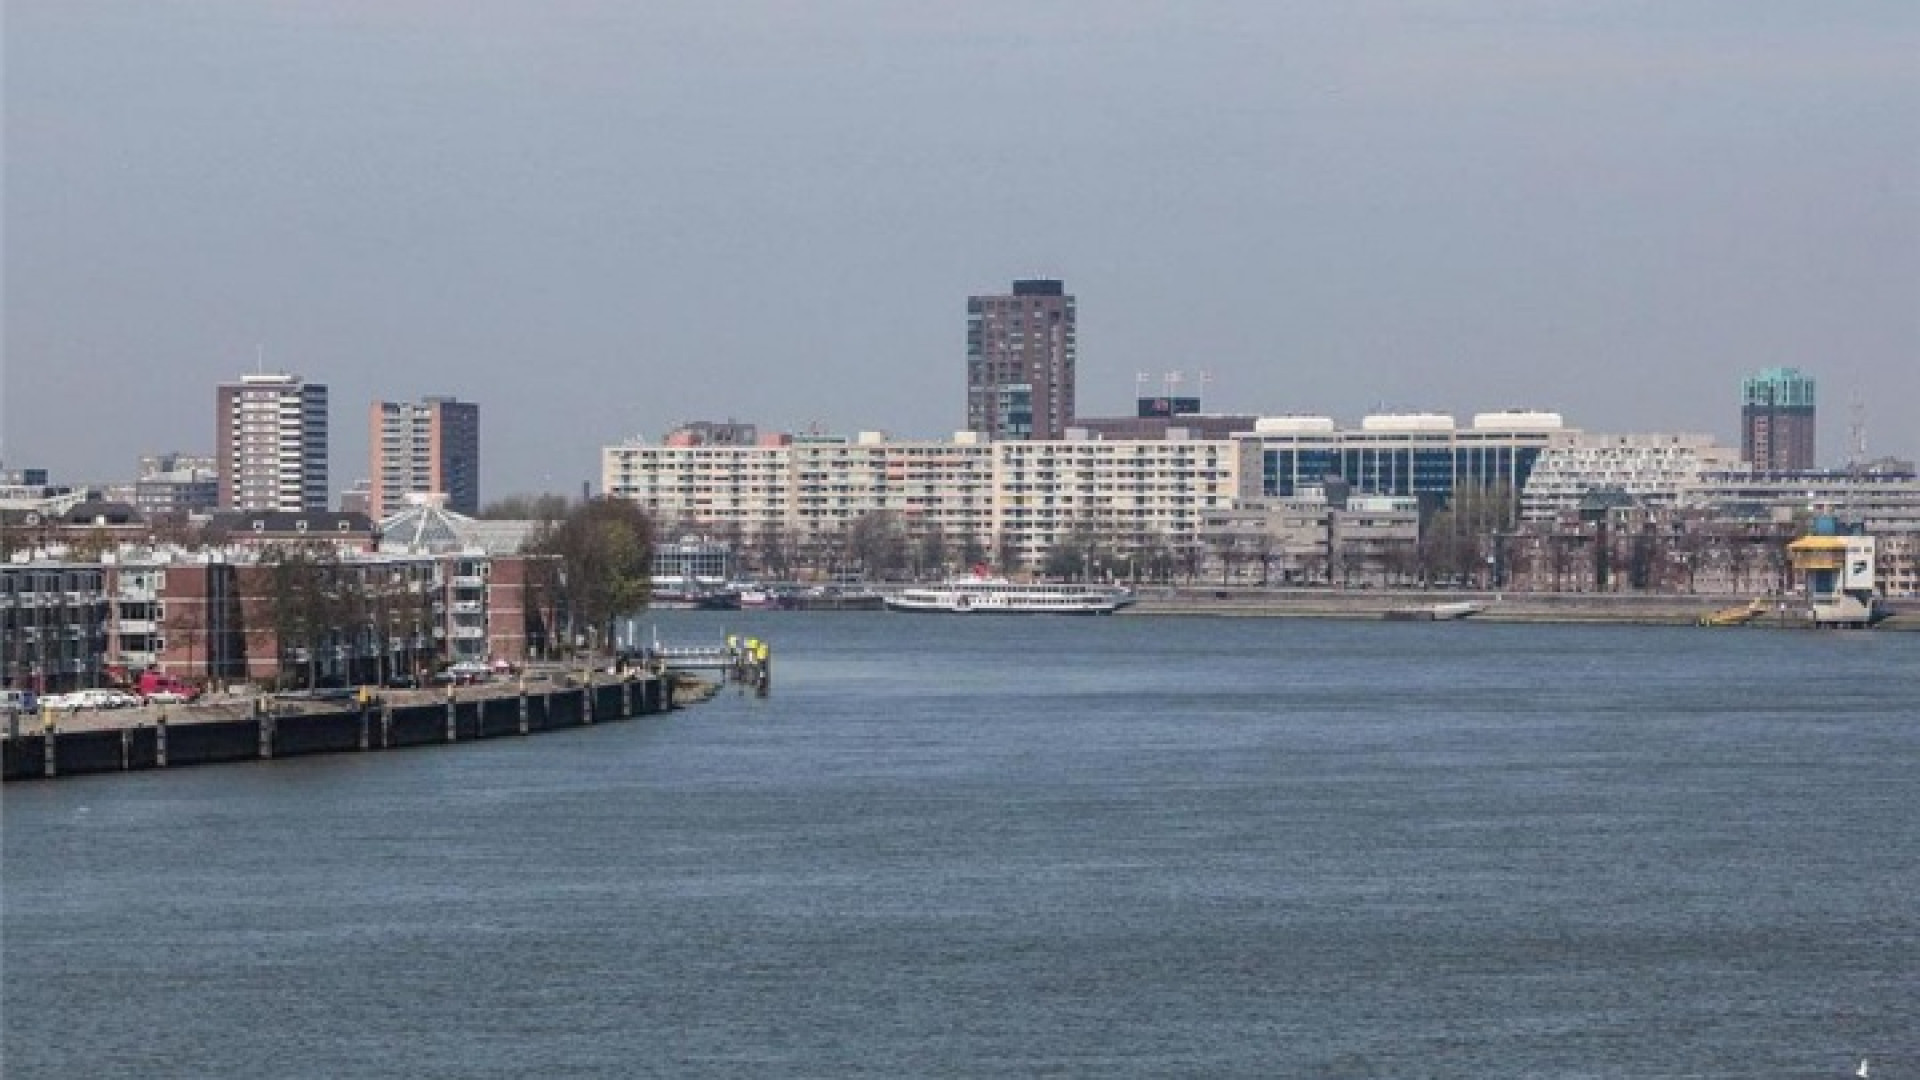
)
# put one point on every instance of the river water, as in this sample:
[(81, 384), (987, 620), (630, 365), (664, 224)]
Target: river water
[(1130, 847)]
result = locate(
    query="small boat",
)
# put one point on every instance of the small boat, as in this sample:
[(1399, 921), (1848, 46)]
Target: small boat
[(1436, 612), (695, 600), (757, 599), (982, 595)]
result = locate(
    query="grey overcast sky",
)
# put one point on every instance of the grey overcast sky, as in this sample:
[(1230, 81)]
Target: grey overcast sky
[(598, 218)]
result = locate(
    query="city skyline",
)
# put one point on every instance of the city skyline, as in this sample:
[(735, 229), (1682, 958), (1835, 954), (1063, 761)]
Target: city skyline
[(618, 221)]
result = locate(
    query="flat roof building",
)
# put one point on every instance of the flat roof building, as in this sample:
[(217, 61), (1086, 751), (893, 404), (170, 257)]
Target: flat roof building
[(428, 447), (1021, 355), (270, 438)]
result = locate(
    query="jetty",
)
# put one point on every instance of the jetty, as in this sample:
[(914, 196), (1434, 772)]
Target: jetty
[(746, 661)]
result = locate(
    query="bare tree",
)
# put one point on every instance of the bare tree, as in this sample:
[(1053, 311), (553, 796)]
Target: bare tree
[(876, 543), (605, 547)]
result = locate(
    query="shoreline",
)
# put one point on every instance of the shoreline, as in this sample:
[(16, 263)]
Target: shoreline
[(1505, 607)]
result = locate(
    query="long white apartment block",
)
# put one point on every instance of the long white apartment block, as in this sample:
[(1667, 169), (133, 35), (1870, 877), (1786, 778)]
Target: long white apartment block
[(745, 491), (1014, 497)]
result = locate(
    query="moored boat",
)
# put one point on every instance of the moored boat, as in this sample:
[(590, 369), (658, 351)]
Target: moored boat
[(1436, 612), (980, 595)]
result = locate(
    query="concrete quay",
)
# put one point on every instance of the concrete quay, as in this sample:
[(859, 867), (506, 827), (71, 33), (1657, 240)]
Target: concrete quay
[(229, 729), (1519, 607)]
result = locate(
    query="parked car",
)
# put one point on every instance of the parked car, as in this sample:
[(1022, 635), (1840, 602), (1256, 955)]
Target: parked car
[(97, 698), (168, 697), (465, 673), (154, 683), (107, 698)]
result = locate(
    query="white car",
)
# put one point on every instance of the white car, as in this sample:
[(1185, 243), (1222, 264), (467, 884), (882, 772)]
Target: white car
[(167, 697), (98, 698)]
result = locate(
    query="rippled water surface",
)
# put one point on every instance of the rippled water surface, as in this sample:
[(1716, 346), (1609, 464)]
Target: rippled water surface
[(1110, 847)]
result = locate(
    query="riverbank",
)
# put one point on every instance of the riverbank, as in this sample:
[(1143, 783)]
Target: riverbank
[(1517, 607)]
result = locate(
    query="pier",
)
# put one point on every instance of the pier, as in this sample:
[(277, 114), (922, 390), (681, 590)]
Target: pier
[(70, 744), (746, 661)]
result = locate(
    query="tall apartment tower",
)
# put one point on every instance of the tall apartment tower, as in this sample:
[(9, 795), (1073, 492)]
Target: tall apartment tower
[(429, 447), (270, 439), (1776, 420), (1020, 362)]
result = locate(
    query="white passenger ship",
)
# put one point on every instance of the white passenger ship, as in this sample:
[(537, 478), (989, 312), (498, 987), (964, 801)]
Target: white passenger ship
[(980, 595)]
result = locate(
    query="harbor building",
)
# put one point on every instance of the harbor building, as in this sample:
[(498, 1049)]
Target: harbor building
[(432, 445), (1423, 455), (1776, 420), (1021, 355), (270, 439), (1839, 573)]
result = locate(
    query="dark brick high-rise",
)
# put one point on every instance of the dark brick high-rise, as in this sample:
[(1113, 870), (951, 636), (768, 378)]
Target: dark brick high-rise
[(1776, 421), (1020, 362)]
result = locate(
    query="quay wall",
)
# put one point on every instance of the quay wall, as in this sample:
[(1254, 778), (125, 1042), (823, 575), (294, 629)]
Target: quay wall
[(273, 734), (1376, 603)]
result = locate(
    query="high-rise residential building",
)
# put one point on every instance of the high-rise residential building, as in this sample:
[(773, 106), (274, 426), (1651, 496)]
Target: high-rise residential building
[(1020, 362), (429, 447), (1776, 420), (270, 438)]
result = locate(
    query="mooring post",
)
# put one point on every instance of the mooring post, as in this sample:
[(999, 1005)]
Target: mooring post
[(160, 742), (50, 733), (453, 731), (126, 749), (267, 721), (365, 725), (386, 727)]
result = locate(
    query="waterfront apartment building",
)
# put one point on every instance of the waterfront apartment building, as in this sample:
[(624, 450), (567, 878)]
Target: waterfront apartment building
[(1776, 420), (1021, 353), (1655, 470), (1315, 537), (426, 447), (53, 625), (1422, 455), (1009, 502), (270, 438)]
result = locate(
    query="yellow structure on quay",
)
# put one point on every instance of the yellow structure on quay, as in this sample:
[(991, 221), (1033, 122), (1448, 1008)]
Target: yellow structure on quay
[(1839, 573)]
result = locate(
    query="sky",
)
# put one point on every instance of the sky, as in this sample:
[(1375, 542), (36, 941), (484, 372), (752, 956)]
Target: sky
[(600, 219)]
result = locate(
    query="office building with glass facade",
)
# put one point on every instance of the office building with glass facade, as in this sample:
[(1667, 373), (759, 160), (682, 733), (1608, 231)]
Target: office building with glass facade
[(1423, 455)]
